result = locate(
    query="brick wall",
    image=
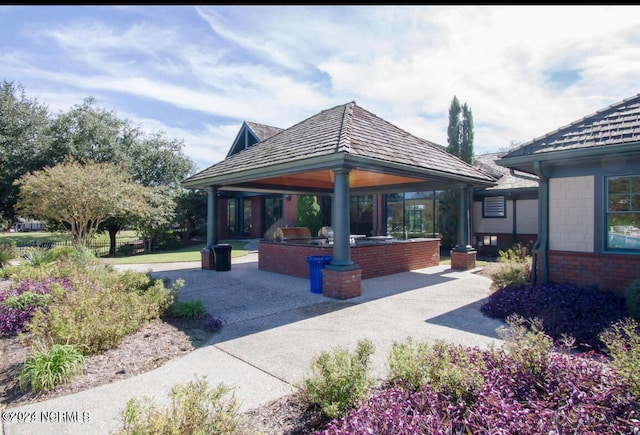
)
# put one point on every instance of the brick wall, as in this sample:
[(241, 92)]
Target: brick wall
[(374, 260), (608, 271)]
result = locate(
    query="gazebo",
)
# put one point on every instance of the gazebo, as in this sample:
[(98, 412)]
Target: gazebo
[(338, 152)]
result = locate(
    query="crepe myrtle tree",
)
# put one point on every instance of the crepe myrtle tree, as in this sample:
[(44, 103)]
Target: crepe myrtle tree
[(81, 196)]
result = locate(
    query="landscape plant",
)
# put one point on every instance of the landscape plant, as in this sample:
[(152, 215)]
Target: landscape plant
[(96, 317), (187, 309), (8, 252), (339, 379), (565, 310), (48, 367), (515, 267), (36, 256), (450, 369), (622, 340), (196, 408), (19, 303), (527, 388)]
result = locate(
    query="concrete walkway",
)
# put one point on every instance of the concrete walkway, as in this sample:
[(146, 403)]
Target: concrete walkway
[(273, 327)]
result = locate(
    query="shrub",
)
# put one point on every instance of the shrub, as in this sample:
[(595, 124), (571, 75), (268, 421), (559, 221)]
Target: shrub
[(632, 300), (526, 343), (187, 309), (7, 253), (195, 409), (565, 310), (515, 267), (445, 368), (46, 368), (37, 257), (571, 394), (19, 303), (339, 380), (622, 340), (96, 317)]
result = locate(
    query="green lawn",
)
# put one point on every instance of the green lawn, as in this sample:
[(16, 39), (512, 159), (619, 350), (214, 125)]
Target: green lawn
[(190, 253)]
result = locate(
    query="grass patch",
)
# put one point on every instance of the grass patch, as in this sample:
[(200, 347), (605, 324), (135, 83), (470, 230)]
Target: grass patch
[(189, 253)]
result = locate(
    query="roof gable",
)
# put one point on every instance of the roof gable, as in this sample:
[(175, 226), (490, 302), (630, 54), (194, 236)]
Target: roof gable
[(251, 133)]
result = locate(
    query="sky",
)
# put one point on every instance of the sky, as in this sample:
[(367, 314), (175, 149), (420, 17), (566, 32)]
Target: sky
[(196, 72)]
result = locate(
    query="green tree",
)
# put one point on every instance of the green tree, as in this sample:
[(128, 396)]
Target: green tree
[(81, 196), (460, 144), (191, 209), (91, 133), (153, 219), (466, 135), (24, 141), (454, 128), (309, 214)]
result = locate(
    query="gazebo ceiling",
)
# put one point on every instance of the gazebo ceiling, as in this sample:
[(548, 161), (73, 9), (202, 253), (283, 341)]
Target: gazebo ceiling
[(379, 156)]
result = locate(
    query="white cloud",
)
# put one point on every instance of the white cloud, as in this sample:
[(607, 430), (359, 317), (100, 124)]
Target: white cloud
[(277, 65)]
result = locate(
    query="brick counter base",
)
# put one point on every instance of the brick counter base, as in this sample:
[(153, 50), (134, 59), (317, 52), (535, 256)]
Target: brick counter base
[(374, 260), (341, 284)]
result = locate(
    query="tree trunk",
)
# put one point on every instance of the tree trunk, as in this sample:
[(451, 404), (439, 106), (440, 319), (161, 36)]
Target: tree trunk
[(113, 231)]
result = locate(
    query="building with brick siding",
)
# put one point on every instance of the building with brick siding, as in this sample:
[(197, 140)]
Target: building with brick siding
[(589, 198)]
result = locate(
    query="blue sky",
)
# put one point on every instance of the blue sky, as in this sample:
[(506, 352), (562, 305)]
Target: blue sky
[(197, 72)]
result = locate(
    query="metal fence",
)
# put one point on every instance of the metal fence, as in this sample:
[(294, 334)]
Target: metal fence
[(123, 247)]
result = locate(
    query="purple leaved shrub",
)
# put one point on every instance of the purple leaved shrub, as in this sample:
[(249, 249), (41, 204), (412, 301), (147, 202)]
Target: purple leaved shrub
[(574, 394), (14, 318), (565, 310)]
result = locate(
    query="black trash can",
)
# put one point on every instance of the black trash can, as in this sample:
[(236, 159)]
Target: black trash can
[(316, 264), (222, 255)]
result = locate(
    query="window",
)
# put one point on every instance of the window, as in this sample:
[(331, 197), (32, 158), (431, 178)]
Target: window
[(493, 207), (623, 212)]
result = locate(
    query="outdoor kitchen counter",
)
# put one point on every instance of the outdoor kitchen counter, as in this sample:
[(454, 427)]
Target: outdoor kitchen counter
[(376, 256)]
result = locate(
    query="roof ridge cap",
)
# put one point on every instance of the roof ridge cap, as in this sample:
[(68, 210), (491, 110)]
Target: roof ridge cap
[(344, 134)]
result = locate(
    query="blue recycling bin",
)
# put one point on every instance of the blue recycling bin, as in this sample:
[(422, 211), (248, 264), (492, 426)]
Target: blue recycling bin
[(316, 264)]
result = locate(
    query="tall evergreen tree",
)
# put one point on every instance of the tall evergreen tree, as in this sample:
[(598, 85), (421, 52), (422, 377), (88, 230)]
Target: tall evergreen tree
[(460, 144), (466, 145), (454, 130)]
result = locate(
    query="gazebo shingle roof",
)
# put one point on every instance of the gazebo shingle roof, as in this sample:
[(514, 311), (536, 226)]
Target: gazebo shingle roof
[(345, 133)]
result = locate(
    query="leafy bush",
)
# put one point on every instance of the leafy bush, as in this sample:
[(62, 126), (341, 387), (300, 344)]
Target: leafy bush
[(187, 309), (565, 310), (445, 368), (632, 300), (46, 368), (96, 317), (195, 409), (571, 394), (526, 344), (515, 267), (623, 344), (19, 303), (339, 380), (8, 252)]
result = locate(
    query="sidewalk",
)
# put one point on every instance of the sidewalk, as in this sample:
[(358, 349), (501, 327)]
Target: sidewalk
[(273, 327)]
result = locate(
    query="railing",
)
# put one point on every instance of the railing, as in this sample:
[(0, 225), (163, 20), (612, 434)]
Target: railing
[(123, 247)]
